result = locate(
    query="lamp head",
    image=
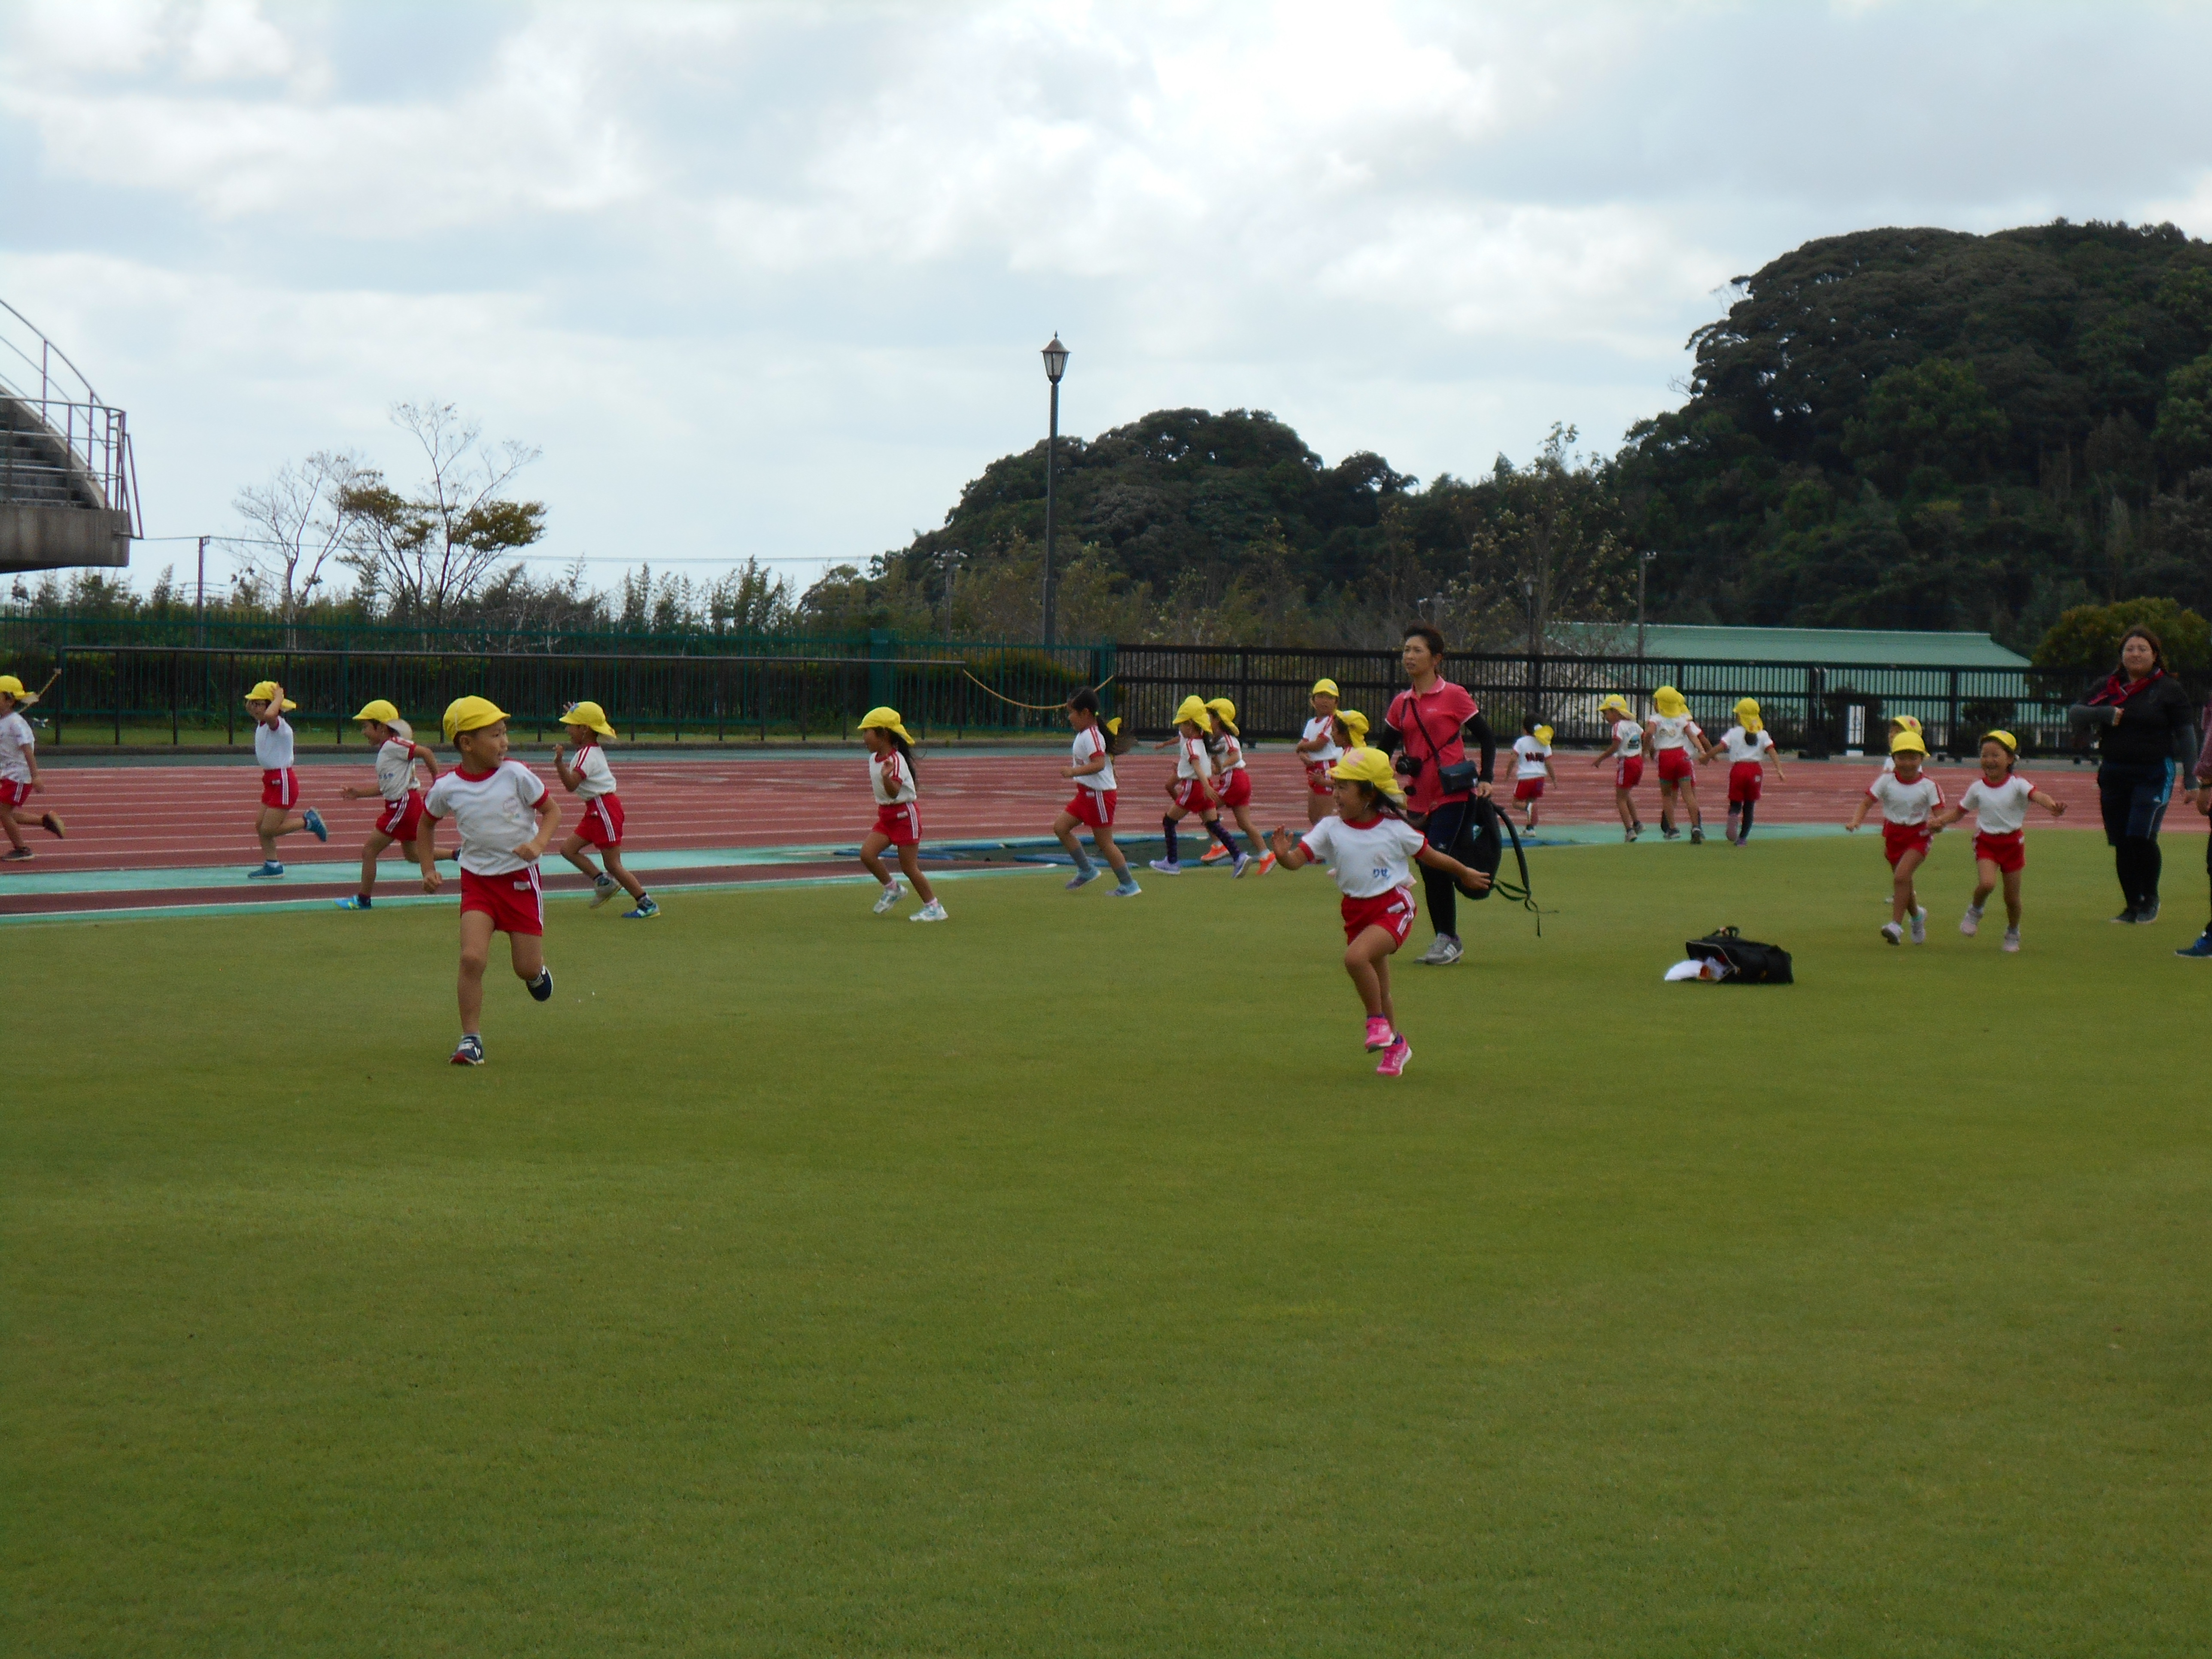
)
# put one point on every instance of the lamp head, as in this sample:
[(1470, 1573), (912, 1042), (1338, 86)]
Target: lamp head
[(1055, 360)]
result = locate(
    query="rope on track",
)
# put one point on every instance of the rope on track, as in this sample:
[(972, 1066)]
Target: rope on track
[(1041, 707)]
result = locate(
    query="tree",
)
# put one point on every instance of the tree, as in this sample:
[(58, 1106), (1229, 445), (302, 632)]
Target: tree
[(295, 524), (1931, 418), (1545, 544), (2086, 640), (2184, 432)]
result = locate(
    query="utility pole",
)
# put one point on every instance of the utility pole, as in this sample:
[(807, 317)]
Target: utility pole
[(199, 604), (1055, 365)]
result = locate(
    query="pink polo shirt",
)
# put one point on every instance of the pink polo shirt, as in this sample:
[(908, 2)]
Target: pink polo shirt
[(1442, 710)]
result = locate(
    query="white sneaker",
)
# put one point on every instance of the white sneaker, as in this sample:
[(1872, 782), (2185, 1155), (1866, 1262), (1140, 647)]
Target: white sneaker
[(1442, 954), (1167, 868), (1891, 933), (603, 888), (1920, 926), (932, 911), (892, 893), (2011, 940), (1971, 923)]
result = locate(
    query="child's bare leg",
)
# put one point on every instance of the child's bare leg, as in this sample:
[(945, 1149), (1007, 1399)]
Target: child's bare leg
[(871, 855), (2012, 896), (1666, 804), (1367, 959), (476, 951), (915, 880), (1064, 826), (573, 850), (1690, 800), (371, 850), (1986, 878), (1251, 836), (1903, 900), (1319, 807), (620, 871), (527, 952), (7, 822), (1102, 839), (1623, 805)]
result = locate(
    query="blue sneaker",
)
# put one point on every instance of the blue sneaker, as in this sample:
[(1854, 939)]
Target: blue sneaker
[(1084, 877), (470, 1053), (316, 827), (646, 911), (353, 901), (269, 869), (1128, 890), (2203, 947), (541, 988), (1168, 866)]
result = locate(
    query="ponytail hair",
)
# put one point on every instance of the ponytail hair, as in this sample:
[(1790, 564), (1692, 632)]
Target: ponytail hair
[(905, 753), (1380, 803), (1084, 700)]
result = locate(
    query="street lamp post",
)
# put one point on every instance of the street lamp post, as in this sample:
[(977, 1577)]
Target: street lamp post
[(1055, 365), (1643, 564)]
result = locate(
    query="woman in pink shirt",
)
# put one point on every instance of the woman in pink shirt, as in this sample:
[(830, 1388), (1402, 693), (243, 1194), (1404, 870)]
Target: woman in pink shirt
[(1427, 729)]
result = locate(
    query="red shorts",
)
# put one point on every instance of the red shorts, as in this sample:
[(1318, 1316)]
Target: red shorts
[(280, 786), (401, 819), (1898, 839), (1628, 771), (15, 794), (902, 823), (1190, 795), (1393, 912), (514, 901), (602, 823), (1094, 807), (2008, 853), (1236, 787), (1317, 778), (1745, 780), (1527, 788), (1675, 766)]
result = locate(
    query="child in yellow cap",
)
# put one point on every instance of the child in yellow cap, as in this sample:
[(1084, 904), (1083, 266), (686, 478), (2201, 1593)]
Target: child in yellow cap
[(1319, 749), (1748, 745), (1999, 799), (1193, 789), (898, 812), (19, 772), (1234, 780), (1909, 800), (1532, 768), (507, 817), (1371, 849), (590, 777), (1626, 751), (280, 784), (1670, 734), (401, 820)]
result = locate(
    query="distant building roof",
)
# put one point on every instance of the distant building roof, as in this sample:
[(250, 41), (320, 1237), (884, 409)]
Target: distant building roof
[(1676, 642)]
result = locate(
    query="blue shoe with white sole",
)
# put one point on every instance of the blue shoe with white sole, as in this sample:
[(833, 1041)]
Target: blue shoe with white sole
[(2203, 947), (646, 911), (316, 827), (269, 870), (353, 901), (470, 1053), (1083, 878)]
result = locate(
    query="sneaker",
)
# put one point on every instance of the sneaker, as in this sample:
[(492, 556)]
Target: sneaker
[(932, 911), (1393, 1063), (1083, 878), (1920, 926), (2148, 915), (1628, 835), (2127, 916), (353, 901), (1668, 832), (17, 855), (1971, 923), (316, 827), (1445, 951), (2203, 947), (1127, 889), (892, 893), (268, 871), (1697, 836), (1892, 933), (2011, 938), (1168, 866), (1243, 863), (469, 1052), (646, 911), (541, 988), (604, 887), (1213, 854), (1379, 1033), (1266, 862), (52, 824)]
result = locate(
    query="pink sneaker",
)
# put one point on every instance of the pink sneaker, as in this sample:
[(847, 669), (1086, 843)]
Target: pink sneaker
[(1378, 1034), (1394, 1058)]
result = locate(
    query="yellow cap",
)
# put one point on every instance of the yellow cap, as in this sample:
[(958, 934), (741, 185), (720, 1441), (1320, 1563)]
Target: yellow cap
[(1616, 701), (589, 715), (1747, 715), (13, 688), (1907, 743), (1904, 722), (471, 714), (2010, 742), (379, 710), (1325, 689), (884, 719), (1356, 723), (1543, 734), (1670, 702), (266, 689), (1227, 710), (1192, 710), (1369, 766)]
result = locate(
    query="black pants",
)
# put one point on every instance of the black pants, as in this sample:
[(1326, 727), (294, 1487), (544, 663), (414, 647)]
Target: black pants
[(1447, 830), (2133, 799)]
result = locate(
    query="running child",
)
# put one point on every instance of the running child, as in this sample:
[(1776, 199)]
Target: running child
[(1626, 751), (1909, 798), (401, 820), (19, 772), (1668, 734), (507, 817), (1532, 768), (1999, 799), (898, 813), (1371, 849), (1097, 742), (1192, 790), (1235, 782), (1748, 745), (601, 826), (280, 784), (1900, 723), (1319, 747)]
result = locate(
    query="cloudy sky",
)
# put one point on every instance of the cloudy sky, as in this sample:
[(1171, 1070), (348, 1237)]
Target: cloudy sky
[(769, 280)]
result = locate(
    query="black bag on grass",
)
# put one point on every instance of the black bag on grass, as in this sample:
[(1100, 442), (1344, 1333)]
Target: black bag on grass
[(1748, 961)]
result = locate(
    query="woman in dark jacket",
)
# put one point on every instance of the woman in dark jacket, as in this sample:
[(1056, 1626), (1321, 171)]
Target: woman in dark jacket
[(2150, 739)]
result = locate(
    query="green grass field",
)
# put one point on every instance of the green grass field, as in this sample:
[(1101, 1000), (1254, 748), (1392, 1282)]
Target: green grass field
[(1062, 1281)]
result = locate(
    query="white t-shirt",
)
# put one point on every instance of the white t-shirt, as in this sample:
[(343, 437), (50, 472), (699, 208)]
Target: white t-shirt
[(1746, 748), (1629, 736), (1324, 727), (1192, 760), (1999, 809), (1905, 802), (17, 740), (1530, 755), (1232, 751), (598, 777), (494, 813), (395, 768), (891, 778), (1090, 744), (1673, 731), (1368, 859), (272, 744)]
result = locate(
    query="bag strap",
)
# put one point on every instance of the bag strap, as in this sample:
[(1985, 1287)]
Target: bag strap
[(1524, 892)]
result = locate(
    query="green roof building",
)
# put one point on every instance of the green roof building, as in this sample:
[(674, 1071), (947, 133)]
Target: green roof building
[(1874, 647)]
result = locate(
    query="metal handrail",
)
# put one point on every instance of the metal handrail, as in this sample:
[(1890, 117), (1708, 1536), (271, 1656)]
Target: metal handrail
[(92, 434)]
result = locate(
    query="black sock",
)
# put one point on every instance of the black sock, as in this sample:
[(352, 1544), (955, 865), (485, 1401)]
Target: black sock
[(1745, 832), (363, 900), (1169, 826), (1221, 835), (2153, 866)]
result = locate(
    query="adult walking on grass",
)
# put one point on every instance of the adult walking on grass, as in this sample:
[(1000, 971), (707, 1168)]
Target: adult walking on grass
[(1426, 732), (2150, 737)]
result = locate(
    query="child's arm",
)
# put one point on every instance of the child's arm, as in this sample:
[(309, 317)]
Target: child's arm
[(1947, 815), (570, 777), (1465, 874), (1774, 754), (1288, 852), (272, 713), (416, 752), (2049, 804), (1096, 763), (549, 820), (1550, 776), (1858, 818), (427, 853), (31, 760), (1607, 753), (351, 794)]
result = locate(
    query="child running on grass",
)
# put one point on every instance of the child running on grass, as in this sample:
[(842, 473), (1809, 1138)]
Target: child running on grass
[(1319, 747), (1909, 799), (1192, 790), (506, 815), (1899, 723), (401, 820), (280, 784), (1371, 849), (1748, 745), (1235, 781), (898, 813), (1669, 734), (19, 772), (1626, 753), (1097, 743), (1532, 768), (1999, 799), (590, 777)]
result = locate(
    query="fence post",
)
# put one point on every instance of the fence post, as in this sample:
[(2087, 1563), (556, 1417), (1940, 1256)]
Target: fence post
[(119, 696), (1951, 730), (176, 687), (61, 661), (345, 683), (230, 705), (1816, 728)]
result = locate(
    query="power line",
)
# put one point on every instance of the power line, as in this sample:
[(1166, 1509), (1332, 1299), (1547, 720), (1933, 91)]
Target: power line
[(555, 558)]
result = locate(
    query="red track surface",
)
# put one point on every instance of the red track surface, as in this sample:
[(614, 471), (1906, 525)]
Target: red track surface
[(137, 817)]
